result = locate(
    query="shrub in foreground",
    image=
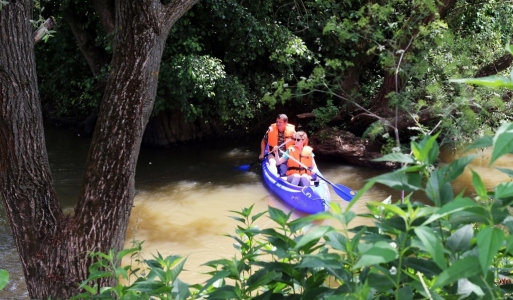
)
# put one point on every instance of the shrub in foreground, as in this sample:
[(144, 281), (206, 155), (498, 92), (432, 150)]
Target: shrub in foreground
[(454, 247)]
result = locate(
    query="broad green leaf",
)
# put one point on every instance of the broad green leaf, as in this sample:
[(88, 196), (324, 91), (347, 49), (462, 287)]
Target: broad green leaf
[(346, 217), (401, 181), (335, 207), (427, 150), (125, 252), (177, 269), (307, 221), (390, 207), (508, 222), (4, 278), (246, 211), (315, 234), (508, 172), (430, 149), (456, 168), (469, 216), (457, 205), (459, 241), (466, 287), (150, 287), (260, 278), (405, 293), (509, 48), (432, 244), (336, 240), (482, 142), (424, 266), (416, 150), (489, 240), (217, 276), (438, 189), (504, 190), (490, 81), (360, 193), (380, 282), (257, 216), (224, 292), (509, 244), (278, 216), (322, 260), (446, 193), (461, 268), (397, 157), (180, 290), (479, 186), (425, 211), (502, 142), (380, 252)]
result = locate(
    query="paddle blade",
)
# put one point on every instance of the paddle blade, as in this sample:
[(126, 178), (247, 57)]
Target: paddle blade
[(344, 192), (244, 167)]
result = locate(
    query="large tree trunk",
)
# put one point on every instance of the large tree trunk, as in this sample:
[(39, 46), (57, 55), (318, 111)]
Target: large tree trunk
[(26, 186), (53, 248), (500, 64), (86, 38)]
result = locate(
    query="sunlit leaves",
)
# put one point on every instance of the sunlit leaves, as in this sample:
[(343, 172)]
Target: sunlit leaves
[(456, 167), (400, 180), (490, 81), (397, 157), (489, 240), (4, 278), (462, 268), (380, 252), (479, 186), (432, 244), (460, 239), (502, 141)]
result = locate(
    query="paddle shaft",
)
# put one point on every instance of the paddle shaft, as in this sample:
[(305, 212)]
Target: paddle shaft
[(246, 167)]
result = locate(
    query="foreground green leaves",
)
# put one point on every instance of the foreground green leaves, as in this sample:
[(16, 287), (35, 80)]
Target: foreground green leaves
[(4, 278), (452, 248)]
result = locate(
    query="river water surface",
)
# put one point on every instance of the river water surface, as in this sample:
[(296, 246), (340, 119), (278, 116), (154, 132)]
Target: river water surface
[(185, 195)]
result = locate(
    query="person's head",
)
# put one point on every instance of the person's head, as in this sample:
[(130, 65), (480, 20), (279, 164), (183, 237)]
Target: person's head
[(300, 138), (281, 122)]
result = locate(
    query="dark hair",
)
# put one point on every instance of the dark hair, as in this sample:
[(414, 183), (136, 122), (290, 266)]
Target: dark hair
[(283, 117)]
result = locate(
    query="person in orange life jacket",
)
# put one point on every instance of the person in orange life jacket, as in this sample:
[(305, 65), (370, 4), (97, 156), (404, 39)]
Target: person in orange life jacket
[(277, 134), (297, 173)]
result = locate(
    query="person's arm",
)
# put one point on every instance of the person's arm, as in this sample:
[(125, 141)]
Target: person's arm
[(282, 159), (262, 149)]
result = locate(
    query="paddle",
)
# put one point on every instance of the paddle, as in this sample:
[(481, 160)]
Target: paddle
[(247, 167), (343, 191)]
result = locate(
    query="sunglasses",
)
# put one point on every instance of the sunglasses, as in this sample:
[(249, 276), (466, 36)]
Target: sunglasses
[(298, 140)]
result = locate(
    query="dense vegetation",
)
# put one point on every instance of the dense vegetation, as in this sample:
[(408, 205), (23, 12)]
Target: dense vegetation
[(451, 248), (351, 64)]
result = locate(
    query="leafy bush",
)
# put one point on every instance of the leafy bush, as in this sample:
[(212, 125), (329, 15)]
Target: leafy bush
[(453, 247)]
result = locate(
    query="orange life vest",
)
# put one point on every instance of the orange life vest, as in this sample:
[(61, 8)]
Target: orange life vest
[(305, 157), (272, 135)]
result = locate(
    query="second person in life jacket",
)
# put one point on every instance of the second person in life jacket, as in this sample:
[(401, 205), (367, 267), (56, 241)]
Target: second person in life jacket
[(300, 160), (278, 134)]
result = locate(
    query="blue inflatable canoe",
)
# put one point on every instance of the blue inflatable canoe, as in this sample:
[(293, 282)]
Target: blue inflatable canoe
[(309, 199)]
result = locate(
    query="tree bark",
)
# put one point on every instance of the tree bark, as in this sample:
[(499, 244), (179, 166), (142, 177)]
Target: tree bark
[(26, 188), (95, 56), (53, 248), (499, 65)]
